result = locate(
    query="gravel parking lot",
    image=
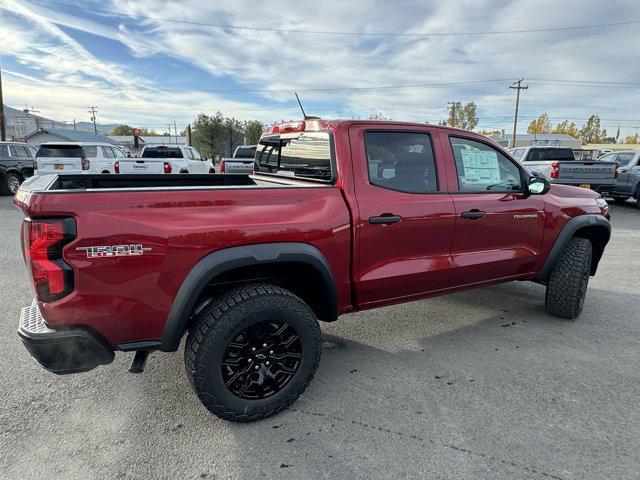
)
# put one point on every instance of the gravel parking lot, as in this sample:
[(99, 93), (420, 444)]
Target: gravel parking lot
[(482, 384)]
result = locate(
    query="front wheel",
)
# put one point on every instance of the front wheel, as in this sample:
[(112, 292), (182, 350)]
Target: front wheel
[(567, 286), (252, 351)]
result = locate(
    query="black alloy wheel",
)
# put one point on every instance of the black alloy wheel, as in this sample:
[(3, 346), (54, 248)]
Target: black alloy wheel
[(261, 360)]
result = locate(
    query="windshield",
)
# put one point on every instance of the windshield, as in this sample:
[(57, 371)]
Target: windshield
[(548, 154), (307, 156), (161, 152)]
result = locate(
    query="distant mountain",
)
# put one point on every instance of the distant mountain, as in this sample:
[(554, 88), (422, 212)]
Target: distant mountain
[(27, 118)]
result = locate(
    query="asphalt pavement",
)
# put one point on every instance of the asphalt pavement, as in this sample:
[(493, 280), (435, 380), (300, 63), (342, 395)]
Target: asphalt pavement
[(480, 384)]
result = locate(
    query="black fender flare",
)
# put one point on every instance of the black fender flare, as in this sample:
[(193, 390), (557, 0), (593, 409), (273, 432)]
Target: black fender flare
[(590, 220), (230, 258)]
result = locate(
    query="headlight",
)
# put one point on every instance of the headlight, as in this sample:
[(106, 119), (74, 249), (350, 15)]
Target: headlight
[(601, 202)]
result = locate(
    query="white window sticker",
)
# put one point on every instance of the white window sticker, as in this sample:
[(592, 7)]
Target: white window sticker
[(480, 167)]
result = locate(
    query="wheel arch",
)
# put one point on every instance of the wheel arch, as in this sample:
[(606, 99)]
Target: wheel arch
[(299, 267), (593, 227)]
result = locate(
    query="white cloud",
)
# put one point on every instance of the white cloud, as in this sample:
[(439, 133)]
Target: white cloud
[(273, 60)]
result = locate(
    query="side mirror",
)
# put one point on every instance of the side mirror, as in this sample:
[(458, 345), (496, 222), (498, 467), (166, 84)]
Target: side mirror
[(539, 185)]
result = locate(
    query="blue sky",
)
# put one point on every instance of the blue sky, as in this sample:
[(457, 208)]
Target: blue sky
[(148, 72)]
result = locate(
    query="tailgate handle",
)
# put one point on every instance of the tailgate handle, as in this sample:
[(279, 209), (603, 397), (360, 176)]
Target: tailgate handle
[(385, 218), (473, 214)]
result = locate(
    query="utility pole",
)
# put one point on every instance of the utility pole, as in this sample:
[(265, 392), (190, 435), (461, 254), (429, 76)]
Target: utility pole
[(175, 130), (189, 134), (93, 111), (3, 125), (74, 123), (230, 139), (517, 86)]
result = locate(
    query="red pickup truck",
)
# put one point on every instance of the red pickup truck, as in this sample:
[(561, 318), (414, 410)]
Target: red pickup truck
[(338, 216)]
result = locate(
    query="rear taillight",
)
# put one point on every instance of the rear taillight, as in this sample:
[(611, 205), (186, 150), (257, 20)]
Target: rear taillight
[(615, 172), (221, 167), (86, 164), (555, 170), (116, 167), (43, 241), (167, 167)]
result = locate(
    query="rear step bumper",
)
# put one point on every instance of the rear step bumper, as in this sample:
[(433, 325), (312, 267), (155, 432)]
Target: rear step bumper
[(61, 351)]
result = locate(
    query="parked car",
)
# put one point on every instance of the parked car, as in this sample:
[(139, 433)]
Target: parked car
[(559, 165), (155, 159), (16, 164), (340, 216), (77, 157), (628, 181), (242, 161)]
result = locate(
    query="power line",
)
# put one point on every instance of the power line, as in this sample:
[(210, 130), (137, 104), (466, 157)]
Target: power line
[(565, 83), (260, 90), (338, 33)]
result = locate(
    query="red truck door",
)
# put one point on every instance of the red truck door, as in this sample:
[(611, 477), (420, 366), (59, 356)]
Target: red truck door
[(405, 217), (498, 226)]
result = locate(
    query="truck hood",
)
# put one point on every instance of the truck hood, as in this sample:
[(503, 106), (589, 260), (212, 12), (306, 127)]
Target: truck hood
[(567, 191)]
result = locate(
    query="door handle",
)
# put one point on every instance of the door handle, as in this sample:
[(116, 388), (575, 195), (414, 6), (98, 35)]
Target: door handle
[(473, 214), (385, 219)]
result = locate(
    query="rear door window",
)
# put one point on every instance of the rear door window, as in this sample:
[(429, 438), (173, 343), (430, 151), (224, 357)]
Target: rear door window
[(19, 151), (401, 161), (4, 151), (107, 152)]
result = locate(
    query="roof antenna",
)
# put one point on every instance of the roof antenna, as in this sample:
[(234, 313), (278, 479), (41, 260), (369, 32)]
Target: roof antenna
[(304, 115)]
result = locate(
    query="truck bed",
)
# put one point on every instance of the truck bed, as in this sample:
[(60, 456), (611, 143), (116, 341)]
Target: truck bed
[(70, 183)]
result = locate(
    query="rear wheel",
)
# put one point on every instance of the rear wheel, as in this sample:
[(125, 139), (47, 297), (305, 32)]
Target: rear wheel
[(638, 196), (252, 352), (567, 286), (11, 184)]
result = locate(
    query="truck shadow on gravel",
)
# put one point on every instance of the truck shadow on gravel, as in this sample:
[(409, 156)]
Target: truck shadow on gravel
[(483, 388)]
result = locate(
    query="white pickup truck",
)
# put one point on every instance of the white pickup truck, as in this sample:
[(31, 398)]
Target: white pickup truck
[(559, 165), (241, 162), (156, 159)]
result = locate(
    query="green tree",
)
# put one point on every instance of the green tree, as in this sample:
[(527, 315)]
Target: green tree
[(252, 131), (592, 132), (122, 130), (540, 125), (568, 128), (209, 134), (462, 116), (632, 138)]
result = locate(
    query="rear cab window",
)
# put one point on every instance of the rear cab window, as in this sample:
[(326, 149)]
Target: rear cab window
[(550, 155), (162, 152), (306, 155), (624, 159)]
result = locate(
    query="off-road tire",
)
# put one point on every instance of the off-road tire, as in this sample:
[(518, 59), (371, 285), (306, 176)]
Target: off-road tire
[(220, 321), (10, 179), (567, 285)]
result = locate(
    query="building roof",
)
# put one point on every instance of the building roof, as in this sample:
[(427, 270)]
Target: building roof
[(74, 135)]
